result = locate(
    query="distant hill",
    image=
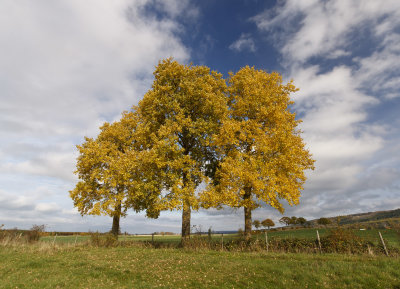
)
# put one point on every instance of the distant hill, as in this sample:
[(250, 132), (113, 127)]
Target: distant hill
[(370, 216), (378, 217)]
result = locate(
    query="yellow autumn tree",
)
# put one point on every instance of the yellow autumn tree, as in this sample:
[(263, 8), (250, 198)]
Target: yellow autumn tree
[(263, 154), (180, 115), (109, 168)]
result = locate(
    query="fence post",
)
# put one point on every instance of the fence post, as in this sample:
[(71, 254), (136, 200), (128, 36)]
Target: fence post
[(76, 237), (266, 239), (222, 241), (383, 243), (55, 237), (152, 238), (319, 242)]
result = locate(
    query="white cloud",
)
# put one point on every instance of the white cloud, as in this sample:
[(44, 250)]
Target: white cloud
[(326, 27), (245, 42), (344, 57), (47, 207), (66, 67), (69, 65)]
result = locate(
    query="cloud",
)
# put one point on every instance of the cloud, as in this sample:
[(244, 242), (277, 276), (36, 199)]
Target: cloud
[(245, 42), (344, 56), (326, 26), (68, 66)]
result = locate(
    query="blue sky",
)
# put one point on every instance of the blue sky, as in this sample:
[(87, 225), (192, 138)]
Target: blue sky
[(68, 66)]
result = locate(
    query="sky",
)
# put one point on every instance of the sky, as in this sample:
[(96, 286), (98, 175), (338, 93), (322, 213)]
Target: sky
[(68, 66)]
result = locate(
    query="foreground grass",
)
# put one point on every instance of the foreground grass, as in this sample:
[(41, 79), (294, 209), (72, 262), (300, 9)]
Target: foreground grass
[(135, 267)]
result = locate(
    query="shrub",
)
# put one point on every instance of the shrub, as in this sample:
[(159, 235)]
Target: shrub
[(103, 240), (324, 221), (33, 235)]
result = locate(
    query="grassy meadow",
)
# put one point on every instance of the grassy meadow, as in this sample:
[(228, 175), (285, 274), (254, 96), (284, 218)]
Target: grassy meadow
[(390, 236), (134, 261), (64, 266)]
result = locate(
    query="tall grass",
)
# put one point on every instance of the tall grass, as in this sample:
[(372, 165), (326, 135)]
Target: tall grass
[(137, 267)]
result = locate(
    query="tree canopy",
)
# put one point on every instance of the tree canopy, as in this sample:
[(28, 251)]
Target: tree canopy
[(267, 223), (181, 113), (107, 167), (238, 137), (263, 154)]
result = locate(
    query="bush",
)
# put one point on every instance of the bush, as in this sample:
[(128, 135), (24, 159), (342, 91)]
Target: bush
[(103, 240), (292, 245), (33, 235)]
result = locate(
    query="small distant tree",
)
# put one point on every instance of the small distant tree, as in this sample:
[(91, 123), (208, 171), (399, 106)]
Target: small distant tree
[(34, 233), (267, 223), (324, 221), (257, 224), (38, 228), (301, 221), (209, 233), (293, 220), (285, 220)]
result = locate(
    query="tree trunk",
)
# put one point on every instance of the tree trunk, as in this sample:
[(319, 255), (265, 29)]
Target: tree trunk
[(116, 217), (186, 212), (247, 223), (247, 215)]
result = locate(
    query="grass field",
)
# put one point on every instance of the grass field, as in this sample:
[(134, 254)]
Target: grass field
[(34, 266), (390, 236)]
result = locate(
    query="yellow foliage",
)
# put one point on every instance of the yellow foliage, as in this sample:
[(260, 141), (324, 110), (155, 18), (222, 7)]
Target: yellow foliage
[(179, 115), (263, 154), (109, 168), (239, 138)]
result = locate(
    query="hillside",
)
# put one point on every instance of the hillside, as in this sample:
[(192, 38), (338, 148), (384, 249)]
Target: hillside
[(370, 216), (378, 217)]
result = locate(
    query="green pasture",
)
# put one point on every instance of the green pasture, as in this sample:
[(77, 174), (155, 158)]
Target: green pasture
[(64, 266), (390, 236)]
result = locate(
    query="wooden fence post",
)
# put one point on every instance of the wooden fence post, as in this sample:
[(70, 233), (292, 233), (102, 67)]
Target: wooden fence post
[(76, 237), (222, 241), (266, 239), (383, 243), (319, 242), (152, 238)]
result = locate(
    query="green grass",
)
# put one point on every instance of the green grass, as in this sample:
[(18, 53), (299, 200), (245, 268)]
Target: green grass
[(65, 239), (390, 236), (135, 267)]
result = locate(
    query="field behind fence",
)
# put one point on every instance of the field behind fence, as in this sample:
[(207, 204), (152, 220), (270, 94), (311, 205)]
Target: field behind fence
[(289, 237)]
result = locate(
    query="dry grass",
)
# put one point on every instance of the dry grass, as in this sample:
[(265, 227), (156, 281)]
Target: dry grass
[(65, 266)]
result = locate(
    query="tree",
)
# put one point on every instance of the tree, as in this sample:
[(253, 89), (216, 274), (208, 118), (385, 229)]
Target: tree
[(293, 220), (267, 223), (108, 171), (301, 221), (324, 221), (263, 155), (285, 220), (181, 113), (256, 224)]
